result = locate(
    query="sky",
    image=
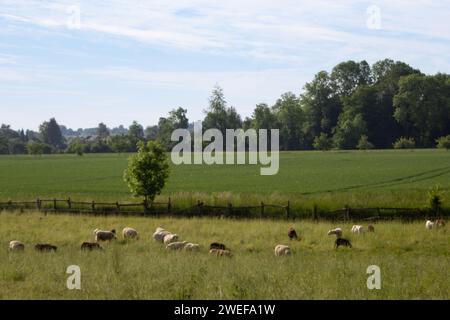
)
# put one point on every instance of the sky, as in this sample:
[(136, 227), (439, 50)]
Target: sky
[(115, 61)]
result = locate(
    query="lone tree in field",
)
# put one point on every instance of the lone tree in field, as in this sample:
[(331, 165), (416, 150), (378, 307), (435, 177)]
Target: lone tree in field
[(147, 171)]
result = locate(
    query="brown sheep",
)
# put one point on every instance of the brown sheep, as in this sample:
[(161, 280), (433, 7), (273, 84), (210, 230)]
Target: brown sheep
[(45, 247), (220, 252), (90, 246)]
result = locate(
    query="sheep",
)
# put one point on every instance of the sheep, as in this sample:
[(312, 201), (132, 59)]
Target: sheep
[(336, 231), (342, 242), (160, 234), (45, 247), (357, 229), (176, 245), (16, 246), (101, 235), (130, 233), (292, 234), (220, 252), (192, 247), (282, 250), (217, 245), (169, 238), (439, 223), (371, 228), (90, 246), (429, 224)]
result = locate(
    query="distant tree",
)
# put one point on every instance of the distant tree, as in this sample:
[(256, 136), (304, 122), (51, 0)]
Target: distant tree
[(38, 148), (443, 142), (151, 132), (364, 143), (4, 148), (102, 131), (121, 143), (176, 120), (51, 133), (135, 134), (405, 143), (290, 117), (348, 76), (147, 171), (323, 142), (77, 146), (349, 131)]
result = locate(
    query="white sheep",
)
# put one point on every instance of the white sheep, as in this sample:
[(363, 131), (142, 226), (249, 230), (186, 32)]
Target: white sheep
[(101, 235), (176, 245), (171, 237), (282, 250), (192, 247), (160, 234), (336, 231), (357, 229), (16, 246), (429, 224), (130, 233)]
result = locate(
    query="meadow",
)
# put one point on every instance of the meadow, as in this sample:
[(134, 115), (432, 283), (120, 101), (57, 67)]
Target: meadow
[(413, 261), (399, 178)]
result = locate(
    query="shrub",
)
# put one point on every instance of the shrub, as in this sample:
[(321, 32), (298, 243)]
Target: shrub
[(322, 142), (435, 197), (443, 142), (364, 143), (404, 143)]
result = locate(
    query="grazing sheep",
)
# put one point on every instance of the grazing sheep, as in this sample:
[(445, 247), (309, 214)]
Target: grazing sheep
[(192, 247), (336, 231), (357, 229), (292, 234), (429, 224), (176, 245), (439, 223), (160, 234), (282, 250), (101, 235), (342, 242), (220, 252), (130, 233), (90, 246), (216, 245), (371, 228), (16, 246), (45, 247), (169, 238)]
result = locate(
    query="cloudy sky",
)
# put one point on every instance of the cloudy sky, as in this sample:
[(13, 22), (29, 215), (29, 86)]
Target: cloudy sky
[(116, 61)]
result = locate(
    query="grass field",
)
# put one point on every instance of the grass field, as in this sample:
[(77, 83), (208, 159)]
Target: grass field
[(414, 261), (330, 179)]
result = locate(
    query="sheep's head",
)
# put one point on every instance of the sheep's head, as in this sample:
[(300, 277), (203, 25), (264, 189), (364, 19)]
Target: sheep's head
[(95, 231)]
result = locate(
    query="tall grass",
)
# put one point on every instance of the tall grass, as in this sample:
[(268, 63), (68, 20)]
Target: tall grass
[(414, 262)]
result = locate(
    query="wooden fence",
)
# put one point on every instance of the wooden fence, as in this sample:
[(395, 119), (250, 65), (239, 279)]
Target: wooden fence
[(200, 209)]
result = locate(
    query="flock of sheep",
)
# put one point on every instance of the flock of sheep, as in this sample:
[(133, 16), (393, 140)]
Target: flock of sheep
[(172, 240)]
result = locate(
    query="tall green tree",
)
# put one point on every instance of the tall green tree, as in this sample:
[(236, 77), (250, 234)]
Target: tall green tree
[(51, 134), (290, 118), (102, 131)]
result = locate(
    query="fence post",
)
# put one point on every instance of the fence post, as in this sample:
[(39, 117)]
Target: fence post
[(262, 210), (54, 204), (287, 210), (230, 209), (117, 207), (169, 206), (199, 207), (347, 213), (38, 204), (93, 206), (69, 203), (316, 213)]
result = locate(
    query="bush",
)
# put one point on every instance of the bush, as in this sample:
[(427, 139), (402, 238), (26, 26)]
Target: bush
[(404, 143), (443, 143), (435, 196), (38, 148), (322, 142), (364, 143)]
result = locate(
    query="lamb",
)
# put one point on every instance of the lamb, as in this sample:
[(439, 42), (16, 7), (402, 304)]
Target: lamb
[(45, 247), (16, 246), (90, 246), (176, 245), (282, 250), (439, 223), (429, 224), (217, 245), (357, 229), (130, 233), (371, 228), (336, 231), (101, 235), (342, 242), (292, 234), (171, 237), (192, 247), (220, 252)]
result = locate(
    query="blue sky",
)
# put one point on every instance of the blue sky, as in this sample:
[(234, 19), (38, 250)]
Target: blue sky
[(136, 60)]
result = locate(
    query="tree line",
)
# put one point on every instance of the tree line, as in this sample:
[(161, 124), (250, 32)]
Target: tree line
[(355, 106)]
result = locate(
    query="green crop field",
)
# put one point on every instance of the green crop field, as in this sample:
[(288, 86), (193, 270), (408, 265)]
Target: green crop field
[(413, 261), (329, 179)]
